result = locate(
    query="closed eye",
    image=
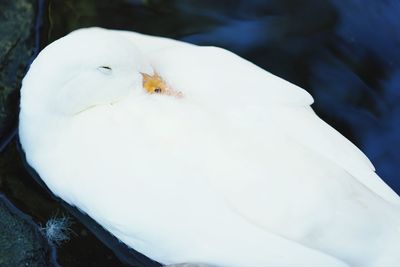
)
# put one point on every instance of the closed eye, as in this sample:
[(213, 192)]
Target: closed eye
[(105, 69)]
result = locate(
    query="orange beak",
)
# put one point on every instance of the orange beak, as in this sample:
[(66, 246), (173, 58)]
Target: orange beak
[(154, 84)]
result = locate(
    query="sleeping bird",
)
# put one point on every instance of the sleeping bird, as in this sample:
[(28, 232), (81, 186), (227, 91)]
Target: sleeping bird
[(191, 154)]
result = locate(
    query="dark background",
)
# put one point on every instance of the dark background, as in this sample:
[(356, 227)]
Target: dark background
[(344, 52)]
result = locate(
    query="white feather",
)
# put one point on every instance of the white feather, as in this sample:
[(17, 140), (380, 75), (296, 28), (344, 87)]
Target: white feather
[(238, 172)]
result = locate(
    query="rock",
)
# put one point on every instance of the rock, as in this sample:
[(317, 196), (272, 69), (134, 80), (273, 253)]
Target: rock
[(21, 242), (17, 45)]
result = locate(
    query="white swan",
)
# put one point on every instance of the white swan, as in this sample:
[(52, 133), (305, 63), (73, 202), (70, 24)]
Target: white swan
[(225, 165)]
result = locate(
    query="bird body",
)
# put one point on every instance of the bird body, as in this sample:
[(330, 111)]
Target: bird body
[(238, 171)]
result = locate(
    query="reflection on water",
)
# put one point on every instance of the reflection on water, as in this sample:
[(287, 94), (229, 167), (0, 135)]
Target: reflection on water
[(344, 52)]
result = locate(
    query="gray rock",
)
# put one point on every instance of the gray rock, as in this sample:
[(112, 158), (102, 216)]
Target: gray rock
[(21, 242), (17, 45)]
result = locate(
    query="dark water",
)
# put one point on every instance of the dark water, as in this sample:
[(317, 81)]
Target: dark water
[(345, 53)]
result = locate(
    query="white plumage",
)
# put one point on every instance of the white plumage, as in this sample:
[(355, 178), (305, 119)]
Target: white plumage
[(238, 172)]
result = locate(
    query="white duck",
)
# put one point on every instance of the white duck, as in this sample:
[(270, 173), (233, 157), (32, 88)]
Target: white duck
[(227, 165)]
